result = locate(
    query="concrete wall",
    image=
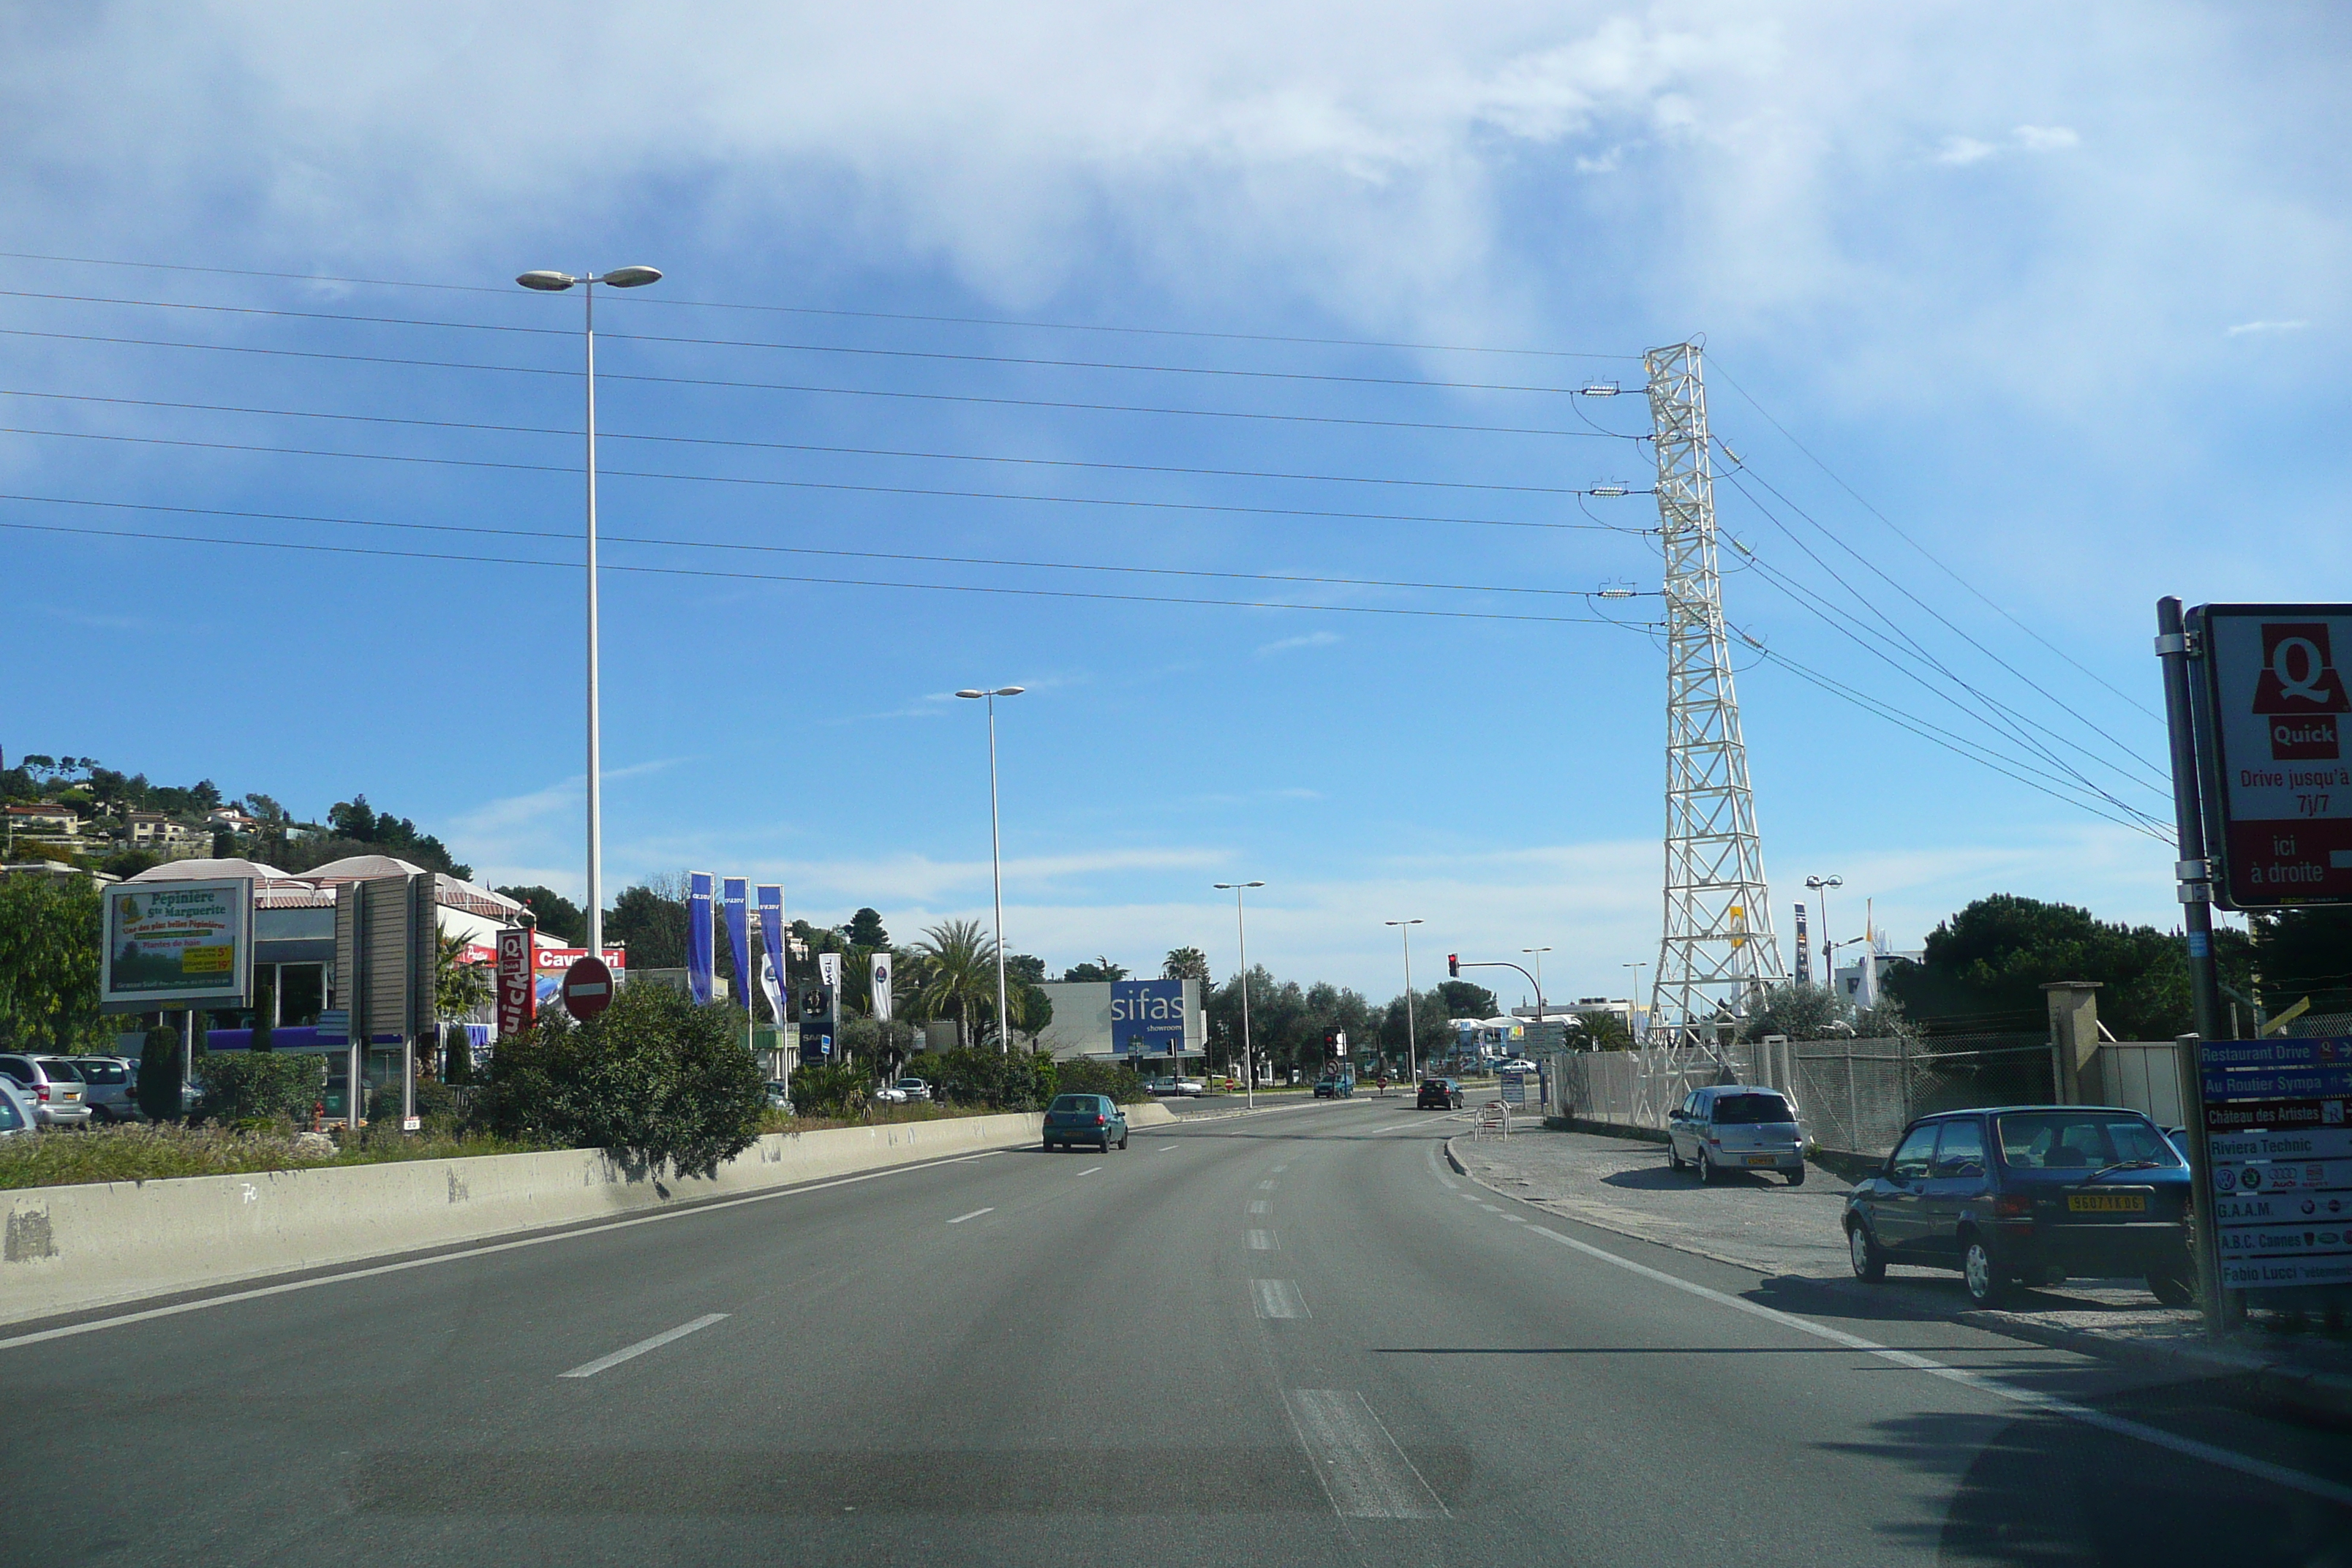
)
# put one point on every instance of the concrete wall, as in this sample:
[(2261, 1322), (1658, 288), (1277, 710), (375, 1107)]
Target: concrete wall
[(72, 1248)]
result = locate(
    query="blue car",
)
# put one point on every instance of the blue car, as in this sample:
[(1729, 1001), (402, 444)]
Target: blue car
[(1094, 1119), (2030, 1193)]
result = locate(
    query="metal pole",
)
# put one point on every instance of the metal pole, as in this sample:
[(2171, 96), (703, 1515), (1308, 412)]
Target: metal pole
[(1411, 1045), (1249, 1059), (596, 728), (2192, 871), (996, 873)]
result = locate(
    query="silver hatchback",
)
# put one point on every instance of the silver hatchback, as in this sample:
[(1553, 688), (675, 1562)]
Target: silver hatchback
[(1731, 1127)]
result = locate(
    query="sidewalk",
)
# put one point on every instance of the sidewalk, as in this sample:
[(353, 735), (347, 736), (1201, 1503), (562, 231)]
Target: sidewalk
[(1783, 1232)]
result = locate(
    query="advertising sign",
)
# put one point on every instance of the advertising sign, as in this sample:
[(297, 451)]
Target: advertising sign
[(2277, 713), (881, 988), (772, 934), (517, 996), (548, 965), (2281, 1155), (1147, 1015), (176, 944), (734, 902), (1804, 951), (697, 937)]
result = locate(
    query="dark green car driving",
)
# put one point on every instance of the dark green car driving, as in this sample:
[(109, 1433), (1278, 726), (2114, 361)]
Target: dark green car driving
[(1094, 1119)]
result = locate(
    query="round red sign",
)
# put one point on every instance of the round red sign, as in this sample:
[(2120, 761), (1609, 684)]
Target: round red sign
[(587, 987)]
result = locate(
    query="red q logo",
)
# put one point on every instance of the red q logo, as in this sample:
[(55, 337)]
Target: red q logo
[(2300, 692)]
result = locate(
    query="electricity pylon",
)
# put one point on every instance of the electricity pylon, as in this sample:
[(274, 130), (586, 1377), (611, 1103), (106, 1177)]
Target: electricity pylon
[(1719, 951)]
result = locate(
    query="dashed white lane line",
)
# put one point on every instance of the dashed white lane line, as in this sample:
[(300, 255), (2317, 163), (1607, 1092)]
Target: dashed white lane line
[(1257, 1205), (1090, 1170), (1363, 1471), (1260, 1241), (1279, 1169), (1278, 1299), (1268, 1185), (973, 1214), (2245, 1464), (1165, 1148), (629, 1353)]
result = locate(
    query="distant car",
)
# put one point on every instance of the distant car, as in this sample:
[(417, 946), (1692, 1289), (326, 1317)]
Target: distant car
[(108, 1086), (913, 1089), (16, 1110), (1074, 1119), (780, 1094), (56, 1097), (1191, 1088), (891, 1094), (2031, 1193), (1160, 1088), (1334, 1088), (1438, 1094), (1731, 1127), (1519, 1063)]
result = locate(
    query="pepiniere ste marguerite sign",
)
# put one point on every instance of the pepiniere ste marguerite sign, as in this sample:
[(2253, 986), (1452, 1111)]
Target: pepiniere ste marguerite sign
[(176, 944)]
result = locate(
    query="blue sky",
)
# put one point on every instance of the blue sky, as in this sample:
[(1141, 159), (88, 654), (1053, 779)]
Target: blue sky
[(2058, 295)]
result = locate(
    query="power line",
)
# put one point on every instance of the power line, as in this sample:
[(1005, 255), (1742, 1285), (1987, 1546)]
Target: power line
[(836, 581), (811, 550), (807, 446), (602, 472)]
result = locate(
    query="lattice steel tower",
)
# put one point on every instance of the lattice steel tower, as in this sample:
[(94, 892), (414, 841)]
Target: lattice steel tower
[(1718, 950)]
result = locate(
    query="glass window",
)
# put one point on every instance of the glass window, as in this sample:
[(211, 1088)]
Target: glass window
[(1068, 1103), (10, 1119), (1735, 1110), (2080, 1140), (1916, 1153), (59, 1071), (102, 1072), (1960, 1151)]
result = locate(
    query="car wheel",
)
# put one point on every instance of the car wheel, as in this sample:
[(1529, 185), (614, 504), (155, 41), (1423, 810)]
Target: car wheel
[(1869, 1263), (1673, 1156), (1981, 1272), (1049, 1146), (1797, 1177), (2172, 1290), (1122, 1142), (1705, 1169)]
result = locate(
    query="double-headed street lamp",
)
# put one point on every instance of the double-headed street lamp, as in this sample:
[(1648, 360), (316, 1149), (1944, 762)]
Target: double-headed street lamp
[(996, 855), (1240, 933), (1822, 885), (555, 283), (1411, 1047)]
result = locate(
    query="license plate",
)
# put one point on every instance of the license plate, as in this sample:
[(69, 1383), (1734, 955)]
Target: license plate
[(1763, 1160), (2106, 1203)]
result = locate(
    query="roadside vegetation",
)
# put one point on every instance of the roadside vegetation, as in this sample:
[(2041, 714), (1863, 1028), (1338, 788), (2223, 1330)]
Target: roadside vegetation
[(164, 1150)]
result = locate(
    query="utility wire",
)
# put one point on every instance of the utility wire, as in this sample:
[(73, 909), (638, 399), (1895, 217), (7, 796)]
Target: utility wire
[(838, 582), (811, 550)]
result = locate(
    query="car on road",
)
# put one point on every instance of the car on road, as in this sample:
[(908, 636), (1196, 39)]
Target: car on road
[(1191, 1087), (108, 1086), (890, 1094), (913, 1089), (1090, 1119), (1733, 1127), (2032, 1194), (1438, 1094), (780, 1094), (16, 1110), (1332, 1087), (1518, 1064), (56, 1096)]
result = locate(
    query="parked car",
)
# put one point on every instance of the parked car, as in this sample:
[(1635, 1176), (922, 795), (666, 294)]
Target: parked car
[(890, 1094), (109, 1088), (1332, 1087), (913, 1089), (1519, 1063), (1191, 1088), (56, 1097), (1438, 1094), (1729, 1127), (1074, 1119), (2033, 1193), (16, 1110), (780, 1094)]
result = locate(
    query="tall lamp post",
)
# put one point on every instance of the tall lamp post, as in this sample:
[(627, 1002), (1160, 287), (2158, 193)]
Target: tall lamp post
[(555, 283), (1636, 990), (1411, 1045), (1822, 885), (1240, 933), (996, 855)]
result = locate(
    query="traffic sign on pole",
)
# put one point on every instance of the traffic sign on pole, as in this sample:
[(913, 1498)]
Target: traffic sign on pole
[(2278, 772), (587, 987)]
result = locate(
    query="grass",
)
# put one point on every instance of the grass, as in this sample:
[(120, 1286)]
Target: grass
[(148, 1153), (874, 1116)]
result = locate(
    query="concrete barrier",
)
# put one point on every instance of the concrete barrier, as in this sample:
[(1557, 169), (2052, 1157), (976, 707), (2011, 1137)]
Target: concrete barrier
[(70, 1247)]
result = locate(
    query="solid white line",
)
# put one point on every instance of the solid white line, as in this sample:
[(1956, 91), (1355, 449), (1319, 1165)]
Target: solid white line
[(1278, 1299), (1260, 1241), (1363, 1471), (1090, 1170), (175, 1309), (975, 1214), (590, 1369), (2261, 1469)]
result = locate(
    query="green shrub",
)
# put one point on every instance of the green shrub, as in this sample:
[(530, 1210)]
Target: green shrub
[(829, 1089), (1021, 1080), (159, 1074), (1116, 1080), (264, 1002), (653, 1077), (242, 1088)]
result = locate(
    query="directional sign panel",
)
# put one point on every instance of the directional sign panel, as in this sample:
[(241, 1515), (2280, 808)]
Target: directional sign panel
[(2281, 1147), (2278, 722)]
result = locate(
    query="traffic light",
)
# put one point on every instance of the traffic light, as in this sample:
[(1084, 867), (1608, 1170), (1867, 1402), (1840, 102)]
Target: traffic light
[(1335, 1042), (1454, 967)]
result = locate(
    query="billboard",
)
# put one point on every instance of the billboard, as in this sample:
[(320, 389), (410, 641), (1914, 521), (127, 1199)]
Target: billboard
[(175, 944), (2279, 784), (517, 996), (552, 963), (1147, 1016)]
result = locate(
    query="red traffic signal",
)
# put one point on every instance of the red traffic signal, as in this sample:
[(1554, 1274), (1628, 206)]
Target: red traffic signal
[(1453, 965)]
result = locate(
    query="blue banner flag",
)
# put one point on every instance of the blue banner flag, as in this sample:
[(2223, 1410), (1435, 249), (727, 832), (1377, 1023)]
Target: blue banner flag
[(698, 936), (734, 897), (773, 930)]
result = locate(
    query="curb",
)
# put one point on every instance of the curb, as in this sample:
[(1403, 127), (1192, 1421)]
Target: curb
[(2326, 1394)]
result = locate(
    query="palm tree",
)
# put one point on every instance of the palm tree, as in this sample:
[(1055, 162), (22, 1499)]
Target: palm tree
[(958, 972)]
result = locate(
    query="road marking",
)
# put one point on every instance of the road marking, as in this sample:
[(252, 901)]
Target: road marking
[(1257, 1205), (1260, 1241), (1278, 1299), (1470, 1197), (1516, 1219), (2261, 1469), (630, 1353), (977, 1212), (1089, 1171), (1165, 1148), (124, 1320), (1363, 1471), (1490, 1208), (1268, 1185), (1279, 1169)]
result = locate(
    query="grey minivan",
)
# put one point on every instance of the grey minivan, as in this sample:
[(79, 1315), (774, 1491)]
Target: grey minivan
[(108, 1088), (56, 1097), (1731, 1127)]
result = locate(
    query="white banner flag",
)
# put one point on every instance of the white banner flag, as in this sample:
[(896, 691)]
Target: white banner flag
[(828, 971), (882, 987), (775, 991)]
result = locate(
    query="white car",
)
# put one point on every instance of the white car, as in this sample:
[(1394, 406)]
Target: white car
[(913, 1087), (1191, 1086), (891, 1094), (16, 1110), (1519, 1065)]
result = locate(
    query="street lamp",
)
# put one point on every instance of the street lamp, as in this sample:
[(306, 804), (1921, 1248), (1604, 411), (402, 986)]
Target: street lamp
[(1241, 931), (1630, 994), (1412, 1048), (555, 283), (996, 855), (1822, 885), (1538, 952)]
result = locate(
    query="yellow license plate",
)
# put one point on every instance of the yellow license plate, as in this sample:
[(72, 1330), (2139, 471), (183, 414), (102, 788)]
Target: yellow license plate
[(1762, 1160), (2106, 1203)]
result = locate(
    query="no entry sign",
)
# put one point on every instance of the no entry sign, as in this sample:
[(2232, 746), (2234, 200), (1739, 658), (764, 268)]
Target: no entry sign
[(2278, 720), (587, 988)]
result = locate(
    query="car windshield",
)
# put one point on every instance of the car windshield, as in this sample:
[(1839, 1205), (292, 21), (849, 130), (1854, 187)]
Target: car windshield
[(1752, 1108), (2081, 1141), (910, 1083)]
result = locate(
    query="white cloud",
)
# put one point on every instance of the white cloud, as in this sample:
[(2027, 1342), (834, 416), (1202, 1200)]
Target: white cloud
[(2046, 138), (2245, 329), (1961, 150), (1309, 640)]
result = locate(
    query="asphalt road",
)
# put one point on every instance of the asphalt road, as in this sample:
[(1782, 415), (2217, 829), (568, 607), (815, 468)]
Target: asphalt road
[(1292, 1338)]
